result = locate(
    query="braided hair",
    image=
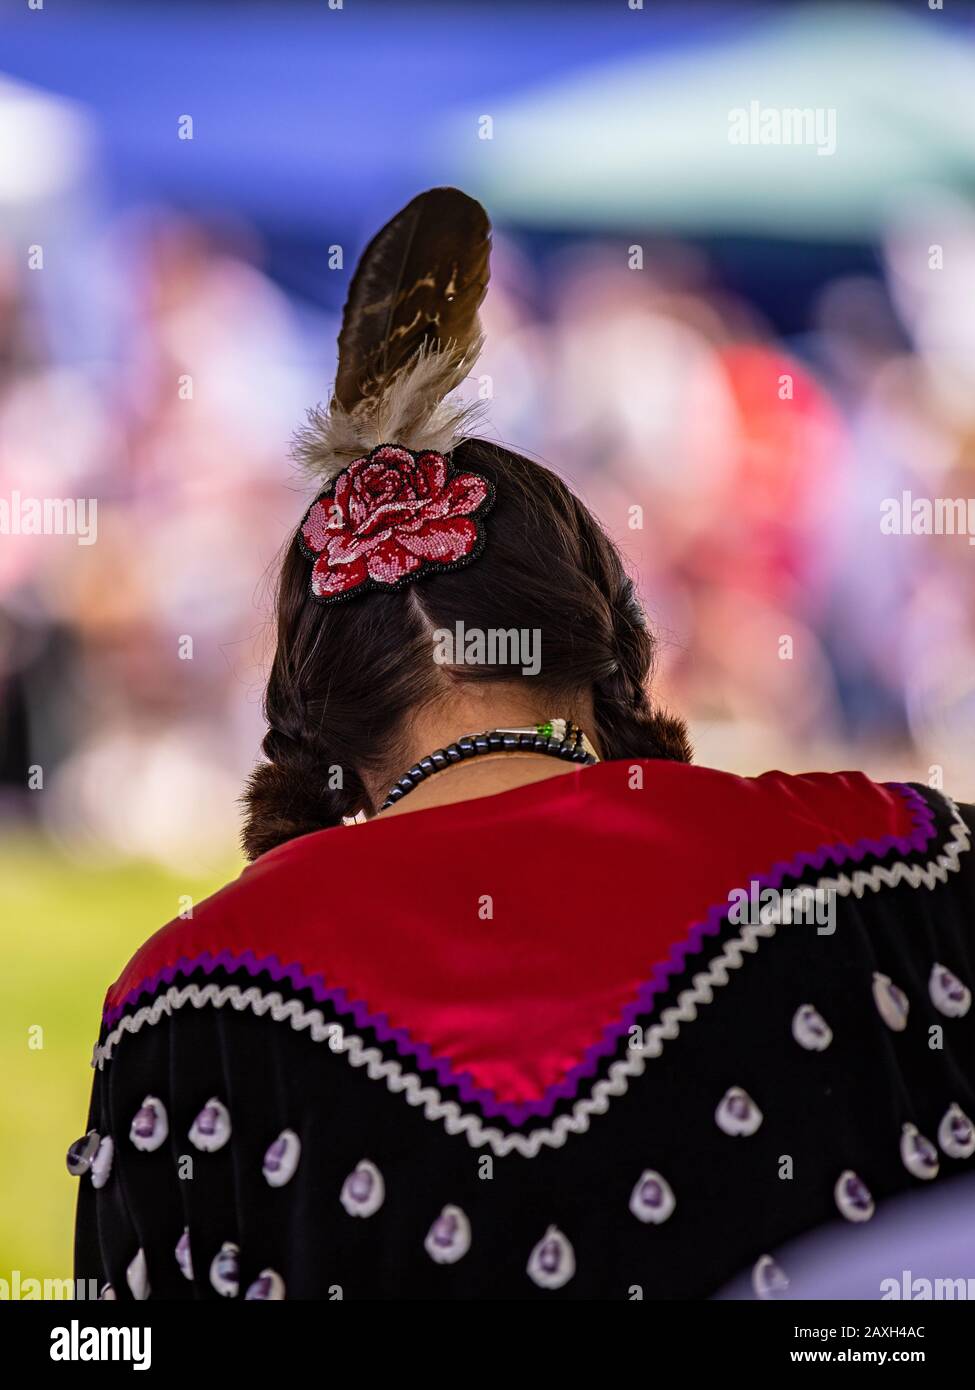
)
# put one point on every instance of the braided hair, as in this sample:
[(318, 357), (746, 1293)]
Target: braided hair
[(347, 678)]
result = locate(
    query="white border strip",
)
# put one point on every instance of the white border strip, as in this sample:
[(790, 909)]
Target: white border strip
[(615, 1083)]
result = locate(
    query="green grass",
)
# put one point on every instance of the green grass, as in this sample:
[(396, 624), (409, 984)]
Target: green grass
[(66, 933)]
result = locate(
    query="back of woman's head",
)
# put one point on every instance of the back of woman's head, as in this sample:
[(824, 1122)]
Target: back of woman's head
[(348, 677)]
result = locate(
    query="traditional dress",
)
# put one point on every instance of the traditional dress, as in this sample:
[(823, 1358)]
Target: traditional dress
[(581, 1039)]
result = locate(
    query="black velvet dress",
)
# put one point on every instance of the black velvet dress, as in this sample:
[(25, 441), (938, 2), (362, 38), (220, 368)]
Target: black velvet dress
[(625, 1033)]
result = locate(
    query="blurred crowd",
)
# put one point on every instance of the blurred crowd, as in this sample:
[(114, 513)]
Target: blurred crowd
[(742, 473)]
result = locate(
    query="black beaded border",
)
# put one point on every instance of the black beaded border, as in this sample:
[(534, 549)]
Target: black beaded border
[(428, 567), (471, 745)]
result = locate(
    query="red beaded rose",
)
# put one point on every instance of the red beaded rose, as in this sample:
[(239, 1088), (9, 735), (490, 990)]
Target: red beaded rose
[(388, 519)]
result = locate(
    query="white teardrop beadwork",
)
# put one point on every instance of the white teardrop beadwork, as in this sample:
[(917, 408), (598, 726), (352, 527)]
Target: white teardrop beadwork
[(184, 1256), (948, 995), (225, 1270), (281, 1159), (737, 1113), (150, 1125), (652, 1200), (363, 1191), (449, 1238), (101, 1164), (810, 1029), (107, 1294), (768, 1280), (267, 1287), (81, 1154), (137, 1277), (892, 1003), (552, 1263), (918, 1155), (956, 1133), (211, 1128), (853, 1199)]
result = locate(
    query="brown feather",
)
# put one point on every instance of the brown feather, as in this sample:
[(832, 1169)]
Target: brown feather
[(410, 335), (418, 285)]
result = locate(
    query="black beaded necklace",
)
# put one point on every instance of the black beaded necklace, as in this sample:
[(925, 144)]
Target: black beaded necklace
[(558, 738)]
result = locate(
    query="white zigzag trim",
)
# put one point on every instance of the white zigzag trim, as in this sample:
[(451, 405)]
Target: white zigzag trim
[(615, 1083)]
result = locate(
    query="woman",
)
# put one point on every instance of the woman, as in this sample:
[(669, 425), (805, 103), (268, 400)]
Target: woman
[(513, 1001)]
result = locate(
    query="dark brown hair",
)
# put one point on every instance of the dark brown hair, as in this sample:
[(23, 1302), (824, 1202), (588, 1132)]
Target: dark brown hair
[(347, 677)]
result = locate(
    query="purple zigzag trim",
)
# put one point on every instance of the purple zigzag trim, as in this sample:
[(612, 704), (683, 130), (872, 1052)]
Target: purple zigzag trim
[(516, 1113)]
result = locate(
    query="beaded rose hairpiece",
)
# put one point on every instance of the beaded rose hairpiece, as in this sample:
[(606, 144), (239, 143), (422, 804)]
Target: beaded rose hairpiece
[(395, 511), (392, 517)]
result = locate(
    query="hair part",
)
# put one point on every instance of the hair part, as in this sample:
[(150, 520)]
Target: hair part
[(346, 678)]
